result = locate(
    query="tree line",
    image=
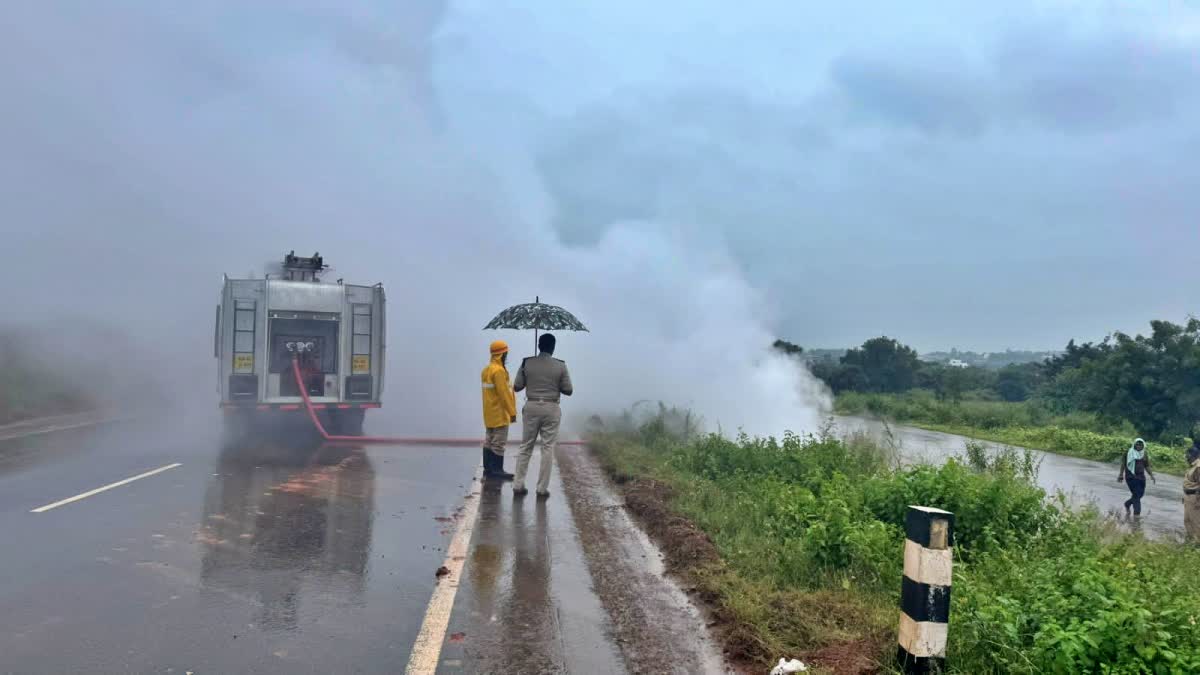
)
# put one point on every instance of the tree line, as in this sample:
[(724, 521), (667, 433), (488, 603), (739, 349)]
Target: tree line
[(1151, 381)]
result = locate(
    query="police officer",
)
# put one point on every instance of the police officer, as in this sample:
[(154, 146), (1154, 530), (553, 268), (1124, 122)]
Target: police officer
[(499, 411), (545, 379), (1191, 494)]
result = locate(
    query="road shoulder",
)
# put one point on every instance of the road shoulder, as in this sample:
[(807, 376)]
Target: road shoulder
[(655, 624), (526, 603), (45, 425)]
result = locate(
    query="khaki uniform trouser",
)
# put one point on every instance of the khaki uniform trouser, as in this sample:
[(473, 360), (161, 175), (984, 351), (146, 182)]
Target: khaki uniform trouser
[(540, 418), (1191, 517), (495, 439)]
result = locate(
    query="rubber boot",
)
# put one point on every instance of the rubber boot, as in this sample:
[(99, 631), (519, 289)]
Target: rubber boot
[(487, 463), (498, 467)]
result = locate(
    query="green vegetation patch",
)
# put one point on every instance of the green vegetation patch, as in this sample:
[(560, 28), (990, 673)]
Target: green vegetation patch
[(797, 546), (1023, 424), (1142, 382)]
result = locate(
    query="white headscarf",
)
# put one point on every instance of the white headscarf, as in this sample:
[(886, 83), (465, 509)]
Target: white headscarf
[(1134, 455)]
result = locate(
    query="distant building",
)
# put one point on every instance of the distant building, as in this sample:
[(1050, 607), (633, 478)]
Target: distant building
[(958, 363)]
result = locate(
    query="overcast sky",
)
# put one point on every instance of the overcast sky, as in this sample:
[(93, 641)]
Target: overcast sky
[(978, 175), (692, 179)]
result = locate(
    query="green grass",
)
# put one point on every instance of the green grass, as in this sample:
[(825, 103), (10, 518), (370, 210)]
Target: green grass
[(810, 542), (1021, 424)]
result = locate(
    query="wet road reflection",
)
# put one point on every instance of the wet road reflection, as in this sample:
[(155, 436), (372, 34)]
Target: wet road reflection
[(259, 558), (510, 578), (530, 620), (276, 524), (272, 529), (526, 604), (487, 555)]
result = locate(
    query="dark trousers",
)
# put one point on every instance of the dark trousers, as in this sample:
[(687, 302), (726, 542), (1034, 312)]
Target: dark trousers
[(1137, 488)]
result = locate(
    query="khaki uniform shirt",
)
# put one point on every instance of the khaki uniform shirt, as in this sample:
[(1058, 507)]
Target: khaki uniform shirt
[(1191, 479), (544, 378)]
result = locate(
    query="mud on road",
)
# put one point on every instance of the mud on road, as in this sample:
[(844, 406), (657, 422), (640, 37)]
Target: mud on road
[(656, 627)]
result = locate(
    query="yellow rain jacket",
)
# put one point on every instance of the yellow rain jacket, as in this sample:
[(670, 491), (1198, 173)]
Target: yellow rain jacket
[(499, 401)]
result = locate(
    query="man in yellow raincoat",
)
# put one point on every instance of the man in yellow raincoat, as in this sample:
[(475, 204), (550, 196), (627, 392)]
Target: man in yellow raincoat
[(499, 411)]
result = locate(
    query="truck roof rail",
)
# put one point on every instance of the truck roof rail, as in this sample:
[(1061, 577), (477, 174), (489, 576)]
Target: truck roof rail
[(298, 268)]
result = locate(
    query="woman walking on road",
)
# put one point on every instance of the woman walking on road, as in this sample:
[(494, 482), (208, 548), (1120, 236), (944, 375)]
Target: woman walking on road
[(1133, 472)]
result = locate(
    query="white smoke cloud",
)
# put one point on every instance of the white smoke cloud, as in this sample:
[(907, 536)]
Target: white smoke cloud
[(204, 143)]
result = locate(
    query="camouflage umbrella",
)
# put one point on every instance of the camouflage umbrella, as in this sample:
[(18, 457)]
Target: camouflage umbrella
[(538, 316)]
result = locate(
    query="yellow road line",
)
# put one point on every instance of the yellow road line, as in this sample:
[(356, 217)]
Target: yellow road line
[(89, 493), (428, 648)]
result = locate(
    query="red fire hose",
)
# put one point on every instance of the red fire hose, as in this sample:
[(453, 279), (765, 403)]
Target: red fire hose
[(381, 440)]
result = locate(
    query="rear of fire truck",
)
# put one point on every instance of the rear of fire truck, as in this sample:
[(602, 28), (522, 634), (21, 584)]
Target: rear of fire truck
[(335, 331)]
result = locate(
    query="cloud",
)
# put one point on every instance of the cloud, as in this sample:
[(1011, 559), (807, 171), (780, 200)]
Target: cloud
[(1096, 82), (916, 185), (936, 97)]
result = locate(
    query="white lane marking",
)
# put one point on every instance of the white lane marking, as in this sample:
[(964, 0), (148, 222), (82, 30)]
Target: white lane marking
[(428, 648), (89, 493)]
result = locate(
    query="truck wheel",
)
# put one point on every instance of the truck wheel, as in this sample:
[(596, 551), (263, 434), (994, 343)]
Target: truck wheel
[(348, 422), (236, 428)]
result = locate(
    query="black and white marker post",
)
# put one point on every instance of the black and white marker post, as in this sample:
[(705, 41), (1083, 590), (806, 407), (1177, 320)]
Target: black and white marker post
[(925, 592)]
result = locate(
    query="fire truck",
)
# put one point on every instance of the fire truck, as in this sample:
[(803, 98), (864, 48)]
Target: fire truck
[(334, 330)]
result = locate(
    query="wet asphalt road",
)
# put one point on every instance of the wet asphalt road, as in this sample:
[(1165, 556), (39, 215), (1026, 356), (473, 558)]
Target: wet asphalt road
[(265, 558), (248, 559), (1082, 480)]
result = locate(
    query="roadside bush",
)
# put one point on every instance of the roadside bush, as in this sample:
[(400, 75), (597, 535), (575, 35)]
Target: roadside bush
[(864, 550), (808, 460), (1068, 603), (1004, 461), (992, 510)]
